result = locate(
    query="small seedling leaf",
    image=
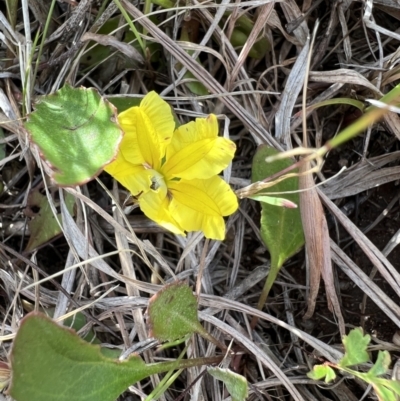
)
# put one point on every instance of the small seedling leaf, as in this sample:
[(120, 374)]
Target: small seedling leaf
[(381, 364), (321, 371), (236, 384), (281, 228), (173, 313), (50, 363), (77, 133), (355, 344), (392, 385), (384, 391)]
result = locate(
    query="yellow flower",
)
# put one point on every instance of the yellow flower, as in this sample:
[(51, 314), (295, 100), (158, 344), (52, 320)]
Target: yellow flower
[(173, 173)]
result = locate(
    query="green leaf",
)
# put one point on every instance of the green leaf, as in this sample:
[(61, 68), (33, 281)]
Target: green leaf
[(76, 322), (330, 375), (194, 85), (173, 313), (355, 344), (321, 371), (43, 225), (381, 364), (393, 385), (243, 28), (52, 363), (77, 133), (281, 228), (257, 51), (123, 103), (236, 384), (342, 100), (383, 392)]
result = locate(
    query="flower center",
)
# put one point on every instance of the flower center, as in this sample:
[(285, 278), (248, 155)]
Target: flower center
[(157, 181)]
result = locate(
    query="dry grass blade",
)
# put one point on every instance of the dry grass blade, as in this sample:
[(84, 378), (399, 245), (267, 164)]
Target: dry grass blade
[(369, 22), (292, 13), (364, 175), (313, 228), (345, 76), (327, 351), (392, 121), (316, 231), (289, 97), (387, 270), (318, 253), (388, 306), (202, 75), (262, 19), (261, 355), (107, 40)]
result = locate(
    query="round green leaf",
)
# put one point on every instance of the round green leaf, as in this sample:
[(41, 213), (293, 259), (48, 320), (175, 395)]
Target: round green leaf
[(77, 133)]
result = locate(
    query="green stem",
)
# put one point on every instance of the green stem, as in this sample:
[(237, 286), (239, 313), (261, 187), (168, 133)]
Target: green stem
[(273, 273), (130, 23), (160, 367), (372, 115), (205, 334)]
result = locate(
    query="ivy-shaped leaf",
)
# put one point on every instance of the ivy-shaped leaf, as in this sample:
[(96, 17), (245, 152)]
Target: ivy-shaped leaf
[(381, 364), (355, 345), (322, 371), (383, 390)]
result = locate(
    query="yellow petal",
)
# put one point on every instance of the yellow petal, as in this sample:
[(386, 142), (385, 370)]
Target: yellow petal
[(148, 130), (196, 151), (155, 205), (138, 182), (198, 205), (136, 179), (119, 166)]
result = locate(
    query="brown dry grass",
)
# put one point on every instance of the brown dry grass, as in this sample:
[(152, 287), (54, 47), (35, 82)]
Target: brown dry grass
[(355, 55)]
